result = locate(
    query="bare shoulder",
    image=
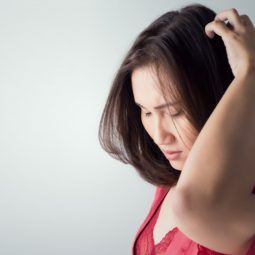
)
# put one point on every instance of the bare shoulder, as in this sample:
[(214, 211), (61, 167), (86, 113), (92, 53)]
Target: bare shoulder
[(222, 229)]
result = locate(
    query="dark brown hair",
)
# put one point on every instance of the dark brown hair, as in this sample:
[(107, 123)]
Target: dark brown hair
[(176, 45)]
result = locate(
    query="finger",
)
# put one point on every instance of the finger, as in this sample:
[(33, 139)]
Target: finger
[(219, 28), (246, 20), (232, 17)]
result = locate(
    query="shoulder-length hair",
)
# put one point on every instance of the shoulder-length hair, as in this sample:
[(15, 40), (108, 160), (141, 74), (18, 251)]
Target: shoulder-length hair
[(177, 46)]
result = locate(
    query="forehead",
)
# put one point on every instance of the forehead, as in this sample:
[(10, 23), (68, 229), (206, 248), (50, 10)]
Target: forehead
[(146, 87), (144, 82), (143, 76)]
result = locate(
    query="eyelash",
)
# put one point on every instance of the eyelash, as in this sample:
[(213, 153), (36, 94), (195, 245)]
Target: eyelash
[(174, 115)]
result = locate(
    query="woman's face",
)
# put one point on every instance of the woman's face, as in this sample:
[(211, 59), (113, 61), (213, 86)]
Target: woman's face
[(160, 123)]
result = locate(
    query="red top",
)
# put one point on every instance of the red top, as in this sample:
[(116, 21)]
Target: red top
[(174, 242)]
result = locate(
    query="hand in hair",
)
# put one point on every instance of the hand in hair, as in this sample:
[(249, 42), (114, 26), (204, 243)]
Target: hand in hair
[(238, 36)]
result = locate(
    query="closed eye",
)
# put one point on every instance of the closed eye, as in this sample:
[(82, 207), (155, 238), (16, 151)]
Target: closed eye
[(147, 114)]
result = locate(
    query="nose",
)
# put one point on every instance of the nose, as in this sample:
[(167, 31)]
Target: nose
[(163, 131)]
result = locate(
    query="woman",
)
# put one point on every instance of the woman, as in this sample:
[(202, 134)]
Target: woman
[(181, 110)]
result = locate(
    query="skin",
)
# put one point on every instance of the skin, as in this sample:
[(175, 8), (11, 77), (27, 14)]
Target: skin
[(167, 131)]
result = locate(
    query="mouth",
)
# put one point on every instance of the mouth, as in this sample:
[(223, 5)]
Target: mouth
[(173, 155)]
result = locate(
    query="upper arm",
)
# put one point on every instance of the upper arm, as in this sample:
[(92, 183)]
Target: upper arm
[(222, 229)]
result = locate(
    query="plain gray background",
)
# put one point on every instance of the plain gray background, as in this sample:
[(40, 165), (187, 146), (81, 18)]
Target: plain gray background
[(60, 193)]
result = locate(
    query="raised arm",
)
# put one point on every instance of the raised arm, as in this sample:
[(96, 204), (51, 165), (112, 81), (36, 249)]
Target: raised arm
[(213, 202), (221, 164)]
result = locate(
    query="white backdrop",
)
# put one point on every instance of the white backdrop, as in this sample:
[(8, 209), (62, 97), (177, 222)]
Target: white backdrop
[(60, 193)]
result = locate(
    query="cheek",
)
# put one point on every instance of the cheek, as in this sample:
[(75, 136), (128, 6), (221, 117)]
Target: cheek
[(187, 132), (147, 125)]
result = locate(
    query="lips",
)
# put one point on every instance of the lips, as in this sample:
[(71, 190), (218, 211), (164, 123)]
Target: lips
[(171, 152), (172, 155)]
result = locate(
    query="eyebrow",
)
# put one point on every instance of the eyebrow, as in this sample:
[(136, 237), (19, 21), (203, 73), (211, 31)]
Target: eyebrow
[(159, 106)]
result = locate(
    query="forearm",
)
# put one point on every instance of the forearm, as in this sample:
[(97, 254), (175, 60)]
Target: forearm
[(222, 159)]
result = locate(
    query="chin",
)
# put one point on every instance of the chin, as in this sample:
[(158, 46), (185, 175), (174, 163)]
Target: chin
[(175, 166)]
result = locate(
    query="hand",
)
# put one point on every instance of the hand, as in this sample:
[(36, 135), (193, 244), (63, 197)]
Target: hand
[(239, 38)]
